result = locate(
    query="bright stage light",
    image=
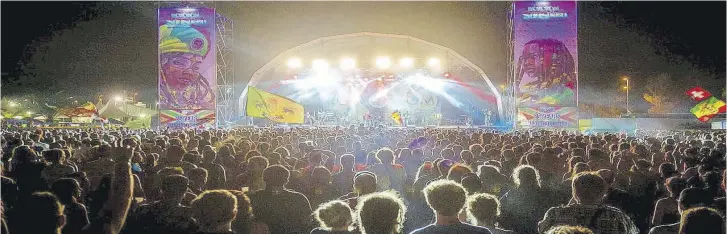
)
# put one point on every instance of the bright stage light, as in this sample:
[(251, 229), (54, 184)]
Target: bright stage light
[(446, 75), (142, 115), (118, 98), (294, 63), (320, 65), (406, 62), (383, 62), (348, 64), (433, 62)]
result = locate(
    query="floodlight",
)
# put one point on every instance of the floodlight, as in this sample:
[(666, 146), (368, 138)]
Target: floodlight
[(433, 62), (383, 62), (406, 62), (294, 63), (320, 65), (348, 64)]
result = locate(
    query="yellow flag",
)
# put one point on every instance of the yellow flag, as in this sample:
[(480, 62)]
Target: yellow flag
[(396, 116), (262, 104), (89, 106), (708, 108)]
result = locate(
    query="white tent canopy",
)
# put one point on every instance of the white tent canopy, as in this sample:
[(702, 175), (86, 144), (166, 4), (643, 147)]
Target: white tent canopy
[(120, 111)]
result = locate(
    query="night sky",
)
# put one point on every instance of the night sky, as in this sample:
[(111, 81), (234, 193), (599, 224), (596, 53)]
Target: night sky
[(52, 17), (686, 34)]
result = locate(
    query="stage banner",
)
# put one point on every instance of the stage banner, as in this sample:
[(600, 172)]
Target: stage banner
[(277, 108), (187, 60), (548, 117), (546, 63), (200, 119)]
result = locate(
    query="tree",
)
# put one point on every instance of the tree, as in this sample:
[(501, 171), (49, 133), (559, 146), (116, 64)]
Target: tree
[(661, 92), (601, 111)]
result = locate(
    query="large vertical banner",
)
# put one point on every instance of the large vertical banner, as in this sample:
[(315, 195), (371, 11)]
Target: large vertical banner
[(545, 52), (187, 67)]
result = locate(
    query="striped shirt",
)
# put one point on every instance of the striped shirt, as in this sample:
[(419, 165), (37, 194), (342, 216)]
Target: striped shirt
[(600, 219)]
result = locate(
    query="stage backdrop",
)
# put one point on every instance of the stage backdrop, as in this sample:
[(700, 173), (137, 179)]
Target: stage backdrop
[(546, 63), (187, 67)]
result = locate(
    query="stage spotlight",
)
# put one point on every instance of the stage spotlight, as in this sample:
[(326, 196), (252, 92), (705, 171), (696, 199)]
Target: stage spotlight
[(320, 65), (295, 63), (446, 75), (348, 64), (433, 62), (383, 62), (406, 62)]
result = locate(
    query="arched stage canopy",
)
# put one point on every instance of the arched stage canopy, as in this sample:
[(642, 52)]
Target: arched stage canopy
[(366, 45)]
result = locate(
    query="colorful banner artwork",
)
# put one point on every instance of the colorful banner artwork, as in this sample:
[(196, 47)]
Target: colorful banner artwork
[(201, 119), (546, 61), (262, 104), (548, 117), (187, 59)]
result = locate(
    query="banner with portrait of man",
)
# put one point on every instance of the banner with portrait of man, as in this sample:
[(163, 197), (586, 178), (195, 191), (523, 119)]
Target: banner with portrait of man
[(187, 59)]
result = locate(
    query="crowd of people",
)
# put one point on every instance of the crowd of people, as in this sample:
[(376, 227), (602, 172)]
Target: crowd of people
[(361, 179)]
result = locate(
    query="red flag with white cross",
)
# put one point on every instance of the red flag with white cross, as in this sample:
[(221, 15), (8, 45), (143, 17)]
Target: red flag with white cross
[(698, 93)]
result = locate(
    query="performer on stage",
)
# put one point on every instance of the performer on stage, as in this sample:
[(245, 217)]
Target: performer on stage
[(488, 115)]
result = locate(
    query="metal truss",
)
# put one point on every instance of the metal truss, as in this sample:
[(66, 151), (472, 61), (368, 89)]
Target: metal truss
[(225, 71), (509, 96)]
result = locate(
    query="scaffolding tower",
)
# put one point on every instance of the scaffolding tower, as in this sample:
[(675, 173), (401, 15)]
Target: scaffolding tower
[(225, 71), (509, 98)]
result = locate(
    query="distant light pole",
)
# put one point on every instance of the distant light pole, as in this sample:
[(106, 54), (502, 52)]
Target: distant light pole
[(627, 88)]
